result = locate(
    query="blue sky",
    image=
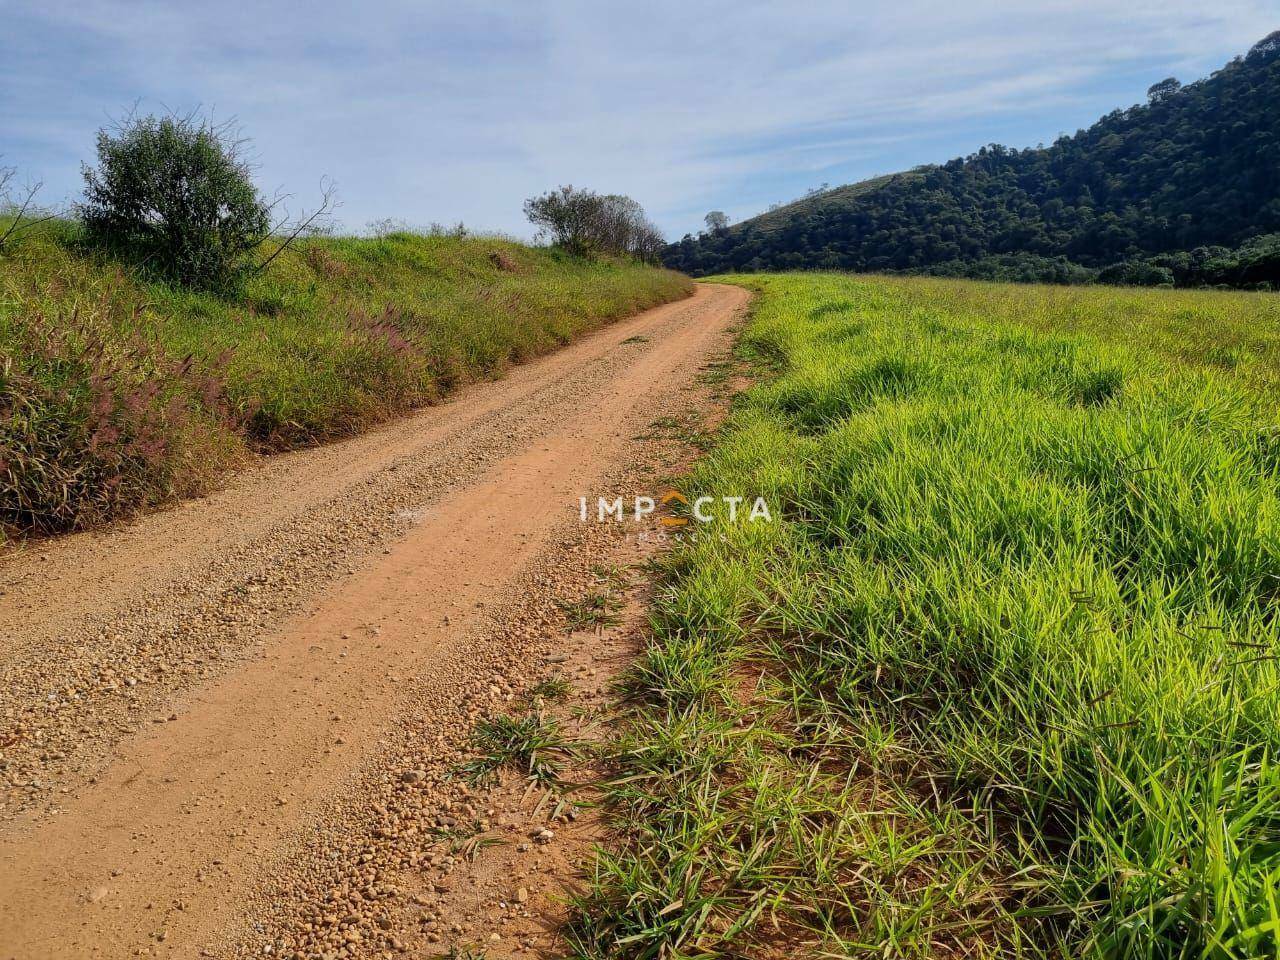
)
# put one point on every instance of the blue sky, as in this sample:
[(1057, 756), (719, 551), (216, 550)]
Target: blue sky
[(430, 111)]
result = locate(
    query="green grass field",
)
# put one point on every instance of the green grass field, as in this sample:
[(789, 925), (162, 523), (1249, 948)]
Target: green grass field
[(118, 394), (1001, 679)]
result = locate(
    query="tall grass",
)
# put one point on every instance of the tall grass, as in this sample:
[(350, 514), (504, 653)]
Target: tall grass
[(1017, 621), (117, 393)]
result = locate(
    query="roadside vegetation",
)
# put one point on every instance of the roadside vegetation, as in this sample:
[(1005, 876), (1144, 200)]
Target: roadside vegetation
[(119, 391), (1002, 678), (175, 324)]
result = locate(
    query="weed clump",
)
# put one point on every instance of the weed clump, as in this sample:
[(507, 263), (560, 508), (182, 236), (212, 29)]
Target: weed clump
[(531, 744)]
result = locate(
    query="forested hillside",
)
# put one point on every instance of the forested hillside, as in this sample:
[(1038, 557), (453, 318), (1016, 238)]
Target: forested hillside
[(1183, 189)]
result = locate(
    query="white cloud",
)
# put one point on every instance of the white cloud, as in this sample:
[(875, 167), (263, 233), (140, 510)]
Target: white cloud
[(444, 111)]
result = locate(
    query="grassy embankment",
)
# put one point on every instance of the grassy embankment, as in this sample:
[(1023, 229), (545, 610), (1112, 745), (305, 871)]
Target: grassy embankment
[(1002, 678), (118, 394)]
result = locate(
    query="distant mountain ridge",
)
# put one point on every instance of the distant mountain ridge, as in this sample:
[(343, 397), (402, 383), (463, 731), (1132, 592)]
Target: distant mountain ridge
[(1157, 191)]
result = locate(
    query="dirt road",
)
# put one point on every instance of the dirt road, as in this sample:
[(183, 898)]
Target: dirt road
[(182, 700)]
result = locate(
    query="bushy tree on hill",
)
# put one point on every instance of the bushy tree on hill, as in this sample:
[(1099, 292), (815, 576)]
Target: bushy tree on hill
[(176, 193), (1196, 166), (584, 222)]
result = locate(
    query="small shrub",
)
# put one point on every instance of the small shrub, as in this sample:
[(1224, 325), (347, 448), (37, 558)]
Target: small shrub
[(176, 193)]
